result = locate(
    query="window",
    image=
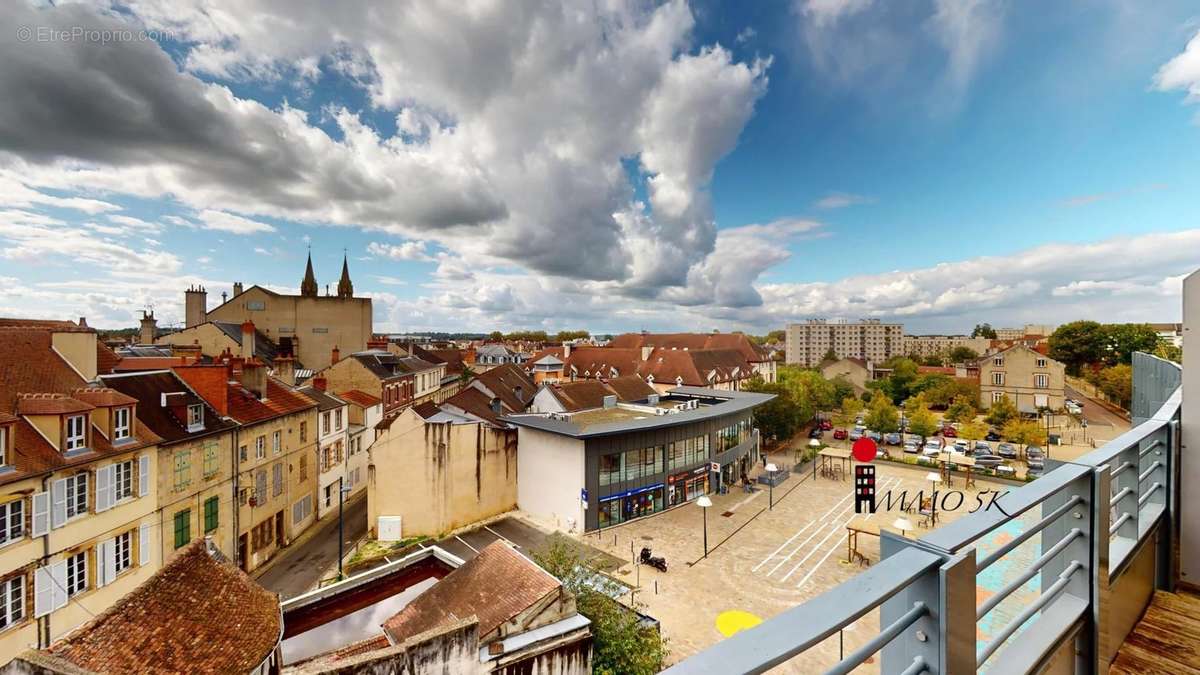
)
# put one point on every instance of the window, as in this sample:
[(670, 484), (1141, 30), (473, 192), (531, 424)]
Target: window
[(242, 455), (998, 361), (12, 601), (337, 419), (325, 417), (76, 432), (195, 417), (77, 492), (260, 487), (997, 395), (303, 467), (121, 429), (123, 480), (12, 521), (277, 442), (123, 551), (998, 379), (183, 528), (77, 578), (1041, 363), (260, 447), (301, 509), (1041, 381), (277, 479), (211, 463), (183, 469), (328, 495), (303, 431), (211, 507)]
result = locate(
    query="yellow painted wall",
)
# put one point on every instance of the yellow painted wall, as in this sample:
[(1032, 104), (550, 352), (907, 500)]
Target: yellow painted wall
[(196, 488), (439, 477), (211, 340), (79, 349), (350, 374)]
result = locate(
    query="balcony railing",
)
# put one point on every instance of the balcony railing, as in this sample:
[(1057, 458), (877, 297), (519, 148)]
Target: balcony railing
[(1108, 528)]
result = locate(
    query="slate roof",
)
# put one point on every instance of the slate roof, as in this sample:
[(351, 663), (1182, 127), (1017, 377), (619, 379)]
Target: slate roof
[(195, 615), (503, 381), (323, 400), (264, 349), (132, 364), (494, 586), (385, 365), (148, 389)]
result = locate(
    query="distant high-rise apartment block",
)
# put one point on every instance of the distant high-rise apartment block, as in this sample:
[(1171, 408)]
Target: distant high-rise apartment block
[(869, 339), (1038, 329)]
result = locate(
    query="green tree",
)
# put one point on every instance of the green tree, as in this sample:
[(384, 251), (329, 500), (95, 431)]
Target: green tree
[(1117, 383), (568, 335), (780, 417), (620, 643), (963, 354), (1079, 343), (922, 422), (830, 355), (941, 390), (495, 336), (842, 388), (972, 431), (984, 330), (778, 336), (1126, 338), (961, 410), (899, 384), (848, 412), (882, 416), (1001, 412), (937, 360), (809, 388), (1024, 433), (1168, 351)]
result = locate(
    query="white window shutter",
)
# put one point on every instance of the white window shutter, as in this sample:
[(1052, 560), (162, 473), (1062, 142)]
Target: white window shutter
[(108, 561), (58, 582), (104, 484), (58, 499), (41, 514), (43, 592), (102, 556), (144, 544), (143, 475)]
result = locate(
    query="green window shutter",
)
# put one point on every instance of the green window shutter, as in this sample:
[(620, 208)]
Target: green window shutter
[(210, 514), (183, 528)]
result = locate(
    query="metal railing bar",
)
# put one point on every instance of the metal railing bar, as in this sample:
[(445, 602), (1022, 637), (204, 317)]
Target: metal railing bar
[(876, 643), (1030, 571), (1120, 521), (916, 667), (1107, 452), (1145, 451), (1033, 608), (1029, 532), (1146, 496), (1120, 495), (1121, 469), (1147, 472)]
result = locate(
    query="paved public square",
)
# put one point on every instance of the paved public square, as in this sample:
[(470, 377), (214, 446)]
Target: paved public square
[(764, 561)]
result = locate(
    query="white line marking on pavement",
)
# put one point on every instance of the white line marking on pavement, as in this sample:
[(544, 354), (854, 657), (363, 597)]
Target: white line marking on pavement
[(789, 540), (466, 544), (837, 544), (810, 523), (751, 498)]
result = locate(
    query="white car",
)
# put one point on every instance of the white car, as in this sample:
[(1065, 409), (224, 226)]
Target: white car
[(933, 448)]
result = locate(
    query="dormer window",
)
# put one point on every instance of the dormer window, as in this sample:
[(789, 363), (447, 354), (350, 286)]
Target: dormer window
[(122, 429), (195, 419), (76, 436)]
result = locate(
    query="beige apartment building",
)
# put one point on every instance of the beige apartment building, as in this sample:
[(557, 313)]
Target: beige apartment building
[(808, 343), (1030, 379), (925, 346), (1038, 329), (77, 486)]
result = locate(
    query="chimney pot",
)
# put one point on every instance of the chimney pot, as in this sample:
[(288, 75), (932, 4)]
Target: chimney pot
[(335, 355), (319, 383), (83, 322)]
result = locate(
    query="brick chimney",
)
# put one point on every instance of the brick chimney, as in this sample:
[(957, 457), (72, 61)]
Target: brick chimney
[(254, 378), (319, 383), (83, 322), (646, 352), (335, 355), (148, 328), (566, 350), (285, 370), (248, 335)]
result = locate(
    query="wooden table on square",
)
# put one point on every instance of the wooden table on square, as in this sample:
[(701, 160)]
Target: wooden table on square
[(827, 455), (958, 459), (853, 529)]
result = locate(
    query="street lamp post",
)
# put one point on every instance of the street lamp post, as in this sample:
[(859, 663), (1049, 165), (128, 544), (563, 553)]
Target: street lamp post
[(342, 492), (704, 502), (771, 469)]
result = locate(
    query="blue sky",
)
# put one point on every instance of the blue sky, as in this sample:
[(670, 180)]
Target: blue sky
[(663, 166)]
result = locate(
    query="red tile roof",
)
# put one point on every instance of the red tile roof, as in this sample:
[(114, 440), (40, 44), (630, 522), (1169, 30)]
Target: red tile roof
[(587, 394), (210, 382), (102, 397), (494, 586), (359, 397), (247, 408), (106, 359), (50, 404), (195, 615), (940, 370), (692, 341)]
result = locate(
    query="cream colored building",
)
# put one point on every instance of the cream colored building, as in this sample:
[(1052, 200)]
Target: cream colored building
[(309, 326), (925, 346), (807, 343), (1031, 380)]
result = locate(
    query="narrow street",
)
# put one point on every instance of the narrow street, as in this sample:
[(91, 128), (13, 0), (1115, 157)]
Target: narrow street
[(302, 565)]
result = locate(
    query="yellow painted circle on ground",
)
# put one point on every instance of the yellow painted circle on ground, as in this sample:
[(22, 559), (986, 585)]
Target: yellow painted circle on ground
[(735, 620)]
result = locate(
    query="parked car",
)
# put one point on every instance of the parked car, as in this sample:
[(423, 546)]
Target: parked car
[(892, 439), (1034, 451), (961, 445), (1007, 450), (826, 425), (988, 461), (855, 434), (982, 447), (839, 434), (912, 445), (933, 447), (949, 431), (1036, 465), (992, 435), (874, 435), (816, 432)]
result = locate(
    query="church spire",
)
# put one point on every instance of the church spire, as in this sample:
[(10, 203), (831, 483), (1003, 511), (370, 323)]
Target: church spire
[(345, 288), (308, 287)]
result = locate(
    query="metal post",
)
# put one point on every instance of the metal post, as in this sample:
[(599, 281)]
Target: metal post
[(341, 528), (705, 509)]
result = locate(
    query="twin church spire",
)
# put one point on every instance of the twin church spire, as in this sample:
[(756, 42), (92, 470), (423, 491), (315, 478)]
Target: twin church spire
[(309, 289)]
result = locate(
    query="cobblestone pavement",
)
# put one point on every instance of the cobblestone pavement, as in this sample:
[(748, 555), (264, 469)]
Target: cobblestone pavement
[(763, 561)]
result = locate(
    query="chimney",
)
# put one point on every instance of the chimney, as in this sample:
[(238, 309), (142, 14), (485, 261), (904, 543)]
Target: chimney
[(646, 351), (285, 370), (83, 322), (566, 350), (319, 383), (148, 328), (195, 306), (224, 297), (237, 288), (496, 406), (247, 340), (335, 355), (519, 391), (254, 378)]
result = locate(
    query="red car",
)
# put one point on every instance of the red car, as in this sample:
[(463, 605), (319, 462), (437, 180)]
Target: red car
[(949, 431), (826, 425), (839, 434)]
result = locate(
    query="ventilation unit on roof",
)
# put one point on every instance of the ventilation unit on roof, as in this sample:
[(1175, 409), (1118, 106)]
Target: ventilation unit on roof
[(652, 399), (610, 401), (693, 404), (661, 411)]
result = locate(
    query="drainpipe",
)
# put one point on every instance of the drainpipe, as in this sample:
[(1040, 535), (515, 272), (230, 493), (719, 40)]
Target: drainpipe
[(44, 626), (237, 506)]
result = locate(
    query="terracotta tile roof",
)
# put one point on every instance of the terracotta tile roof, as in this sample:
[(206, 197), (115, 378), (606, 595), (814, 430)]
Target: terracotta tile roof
[(586, 394), (130, 364), (359, 397), (195, 615), (494, 586), (38, 323), (475, 402), (6, 418), (246, 408), (938, 370), (168, 421), (102, 397), (426, 409), (453, 358), (50, 404), (210, 382), (106, 359), (692, 341), (503, 382)]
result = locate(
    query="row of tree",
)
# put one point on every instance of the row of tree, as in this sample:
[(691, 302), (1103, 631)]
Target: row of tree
[(1093, 345), (938, 389), (799, 394), (883, 416), (539, 335)]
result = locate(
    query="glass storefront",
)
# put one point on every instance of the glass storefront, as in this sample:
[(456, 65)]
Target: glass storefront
[(629, 505), (686, 486)]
